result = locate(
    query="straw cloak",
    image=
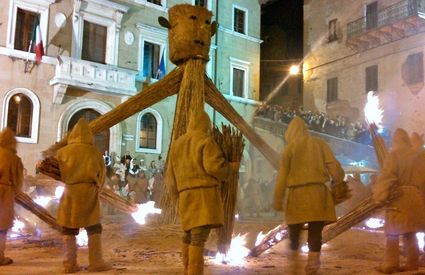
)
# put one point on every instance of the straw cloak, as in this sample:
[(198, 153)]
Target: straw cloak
[(11, 178), (196, 169), (307, 163), (404, 167), (83, 172)]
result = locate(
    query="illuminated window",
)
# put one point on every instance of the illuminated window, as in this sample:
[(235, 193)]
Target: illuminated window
[(21, 113), (148, 131)]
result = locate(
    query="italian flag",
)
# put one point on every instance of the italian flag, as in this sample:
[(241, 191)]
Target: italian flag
[(36, 44)]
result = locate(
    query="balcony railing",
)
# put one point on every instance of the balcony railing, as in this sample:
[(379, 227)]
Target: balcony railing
[(390, 15), (94, 76)]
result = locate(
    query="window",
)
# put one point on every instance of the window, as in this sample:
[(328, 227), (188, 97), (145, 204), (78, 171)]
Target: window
[(332, 30), (94, 42), (151, 56), (239, 73), (415, 69), (156, 2), (95, 27), (332, 89), (238, 82), (202, 3), (24, 28), (372, 78), (21, 113), (20, 24), (372, 15), (152, 44), (149, 131), (239, 20), (147, 134)]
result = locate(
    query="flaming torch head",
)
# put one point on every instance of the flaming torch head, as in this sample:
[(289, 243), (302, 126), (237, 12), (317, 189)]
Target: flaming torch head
[(372, 111), (143, 210)]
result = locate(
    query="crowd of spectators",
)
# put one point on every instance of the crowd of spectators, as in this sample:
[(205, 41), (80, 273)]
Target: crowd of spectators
[(340, 126), (133, 179)]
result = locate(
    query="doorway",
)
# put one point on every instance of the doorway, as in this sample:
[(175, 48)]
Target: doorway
[(101, 140)]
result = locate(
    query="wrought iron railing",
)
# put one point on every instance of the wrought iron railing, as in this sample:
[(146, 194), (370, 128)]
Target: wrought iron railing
[(387, 16)]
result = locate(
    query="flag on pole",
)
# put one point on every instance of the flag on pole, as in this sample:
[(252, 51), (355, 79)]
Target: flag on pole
[(161, 69), (36, 44)]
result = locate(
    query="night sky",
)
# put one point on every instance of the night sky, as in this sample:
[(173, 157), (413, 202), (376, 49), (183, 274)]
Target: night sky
[(288, 15)]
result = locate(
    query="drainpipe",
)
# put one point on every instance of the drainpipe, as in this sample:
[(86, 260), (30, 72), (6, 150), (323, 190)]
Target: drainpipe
[(216, 53)]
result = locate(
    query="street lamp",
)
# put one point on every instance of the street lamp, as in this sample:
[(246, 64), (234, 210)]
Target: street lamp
[(294, 69)]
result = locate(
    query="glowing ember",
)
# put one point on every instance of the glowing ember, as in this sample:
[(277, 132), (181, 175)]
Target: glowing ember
[(304, 248), (82, 238), (236, 253), (372, 111), (420, 236), (143, 210), (260, 237), (375, 223), (59, 191), (42, 200)]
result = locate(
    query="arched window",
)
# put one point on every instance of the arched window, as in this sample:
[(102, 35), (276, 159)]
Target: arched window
[(148, 129), (149, 132), (21, 113)]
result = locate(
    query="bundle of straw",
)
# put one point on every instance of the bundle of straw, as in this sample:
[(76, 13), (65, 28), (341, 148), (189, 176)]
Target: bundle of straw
[(50, 167), (25, 201), (232, 145), (272, 238), (190, 97)]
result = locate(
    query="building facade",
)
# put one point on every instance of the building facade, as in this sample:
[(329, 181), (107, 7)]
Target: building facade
[(353, 47), (97, 54)]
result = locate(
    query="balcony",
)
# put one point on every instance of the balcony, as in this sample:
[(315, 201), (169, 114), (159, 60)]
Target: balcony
[(91, 76), (395, 22)]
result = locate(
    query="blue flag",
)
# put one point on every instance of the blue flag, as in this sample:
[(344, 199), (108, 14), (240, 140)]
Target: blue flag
[(161, 69)]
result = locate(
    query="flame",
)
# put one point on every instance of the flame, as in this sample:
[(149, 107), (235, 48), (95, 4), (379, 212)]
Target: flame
[(375, 223), (145, 209), (59, 191), (82, 238), (17, 229), (260, 237), (420, 236), (42, 200), (18, 226), (237, 252), (372, 111)]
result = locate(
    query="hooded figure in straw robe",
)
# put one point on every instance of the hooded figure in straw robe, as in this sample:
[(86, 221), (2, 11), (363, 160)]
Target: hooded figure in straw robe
[(195, 171), (306, 164), (11, 178), (83, 171), (402, 174)]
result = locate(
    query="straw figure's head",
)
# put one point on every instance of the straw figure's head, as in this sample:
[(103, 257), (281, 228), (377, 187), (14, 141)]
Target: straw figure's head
[(189, 32)]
